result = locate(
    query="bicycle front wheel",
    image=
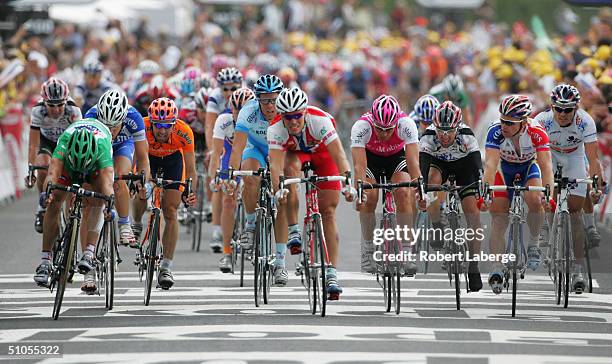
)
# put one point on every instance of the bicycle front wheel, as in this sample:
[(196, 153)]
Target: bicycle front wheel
[(111, 265), (259, 275), (515, 232), (151, 257), (567, 258), (319, 241), (65, 267)]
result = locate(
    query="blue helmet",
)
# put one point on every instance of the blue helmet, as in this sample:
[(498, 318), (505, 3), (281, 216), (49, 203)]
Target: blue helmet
[(425, 108), (268, 84)]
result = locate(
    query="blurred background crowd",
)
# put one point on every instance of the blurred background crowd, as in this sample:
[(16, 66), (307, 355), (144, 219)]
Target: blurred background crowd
[(343, 53)]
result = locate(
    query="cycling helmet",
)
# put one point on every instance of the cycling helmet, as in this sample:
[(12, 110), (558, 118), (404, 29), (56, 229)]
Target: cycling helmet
[(425, 108), (290, 100), (148, 67), (163, 110), (240, 97), (268, 84), (54, 90), (112, 108), (385, 111), (190, 81), (515, 106), (219, 61), (81, 150), (92, 67), (448, 116), (250, 77), (453, 85), (207, 81), (565, 95), (229, 75), (201, 98), (157, 87)]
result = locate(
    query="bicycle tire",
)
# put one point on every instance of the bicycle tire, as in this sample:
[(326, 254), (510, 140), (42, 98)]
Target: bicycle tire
[(257, 279), (66, 266), (587, 258), (319, 241), (269, 252), (514, 289), (266, 268), (151, 256), (516, 236), (398, 288), (455, 265), (423, 224), (199, 213), (387, 291), (567, 259), (111, 265), (556, 275)]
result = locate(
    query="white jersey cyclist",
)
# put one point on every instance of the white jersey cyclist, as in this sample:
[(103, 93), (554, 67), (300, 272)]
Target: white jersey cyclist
[(224, 128), (319, 129), (464, 144), (51, 129)]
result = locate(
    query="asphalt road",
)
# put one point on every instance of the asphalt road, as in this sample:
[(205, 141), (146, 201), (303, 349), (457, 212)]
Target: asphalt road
[(207, 318)]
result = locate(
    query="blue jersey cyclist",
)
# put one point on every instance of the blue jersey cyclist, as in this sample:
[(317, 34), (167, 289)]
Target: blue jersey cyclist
[(250, 151), (128, 131), (424, 112)]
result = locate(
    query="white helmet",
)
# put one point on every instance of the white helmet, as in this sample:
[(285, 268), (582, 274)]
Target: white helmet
[(290, 100), (148, 67), (112, 108)]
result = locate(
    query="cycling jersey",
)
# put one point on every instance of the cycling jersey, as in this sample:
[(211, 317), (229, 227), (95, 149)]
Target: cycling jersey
[(568, 139), (464, 144), (133, 126), (532, 140), (319, 130), (224, 128), (51, 129), (252, 122), (189, 113), (90, 97), (142, 99), (104, 155), (362, 136), (440, 92), (181, 140), (217, 102)]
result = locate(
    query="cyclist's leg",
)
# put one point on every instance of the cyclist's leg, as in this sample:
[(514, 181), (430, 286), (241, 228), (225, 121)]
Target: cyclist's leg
[(288, 228), (576, 168), (50, 233), (123, 155), (43, 158), (404, 201), (367, 214), (435, 172), (170, 203), (227, 223), (139, 204), (251, 160), (499, 223), (535, 216)]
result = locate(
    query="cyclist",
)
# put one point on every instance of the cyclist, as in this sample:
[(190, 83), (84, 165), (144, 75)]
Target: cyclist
[(451, 89), (128, 131), (86, 94), (50, 118), (156, 88), (447, 147), (83, 155), (516, 145), (228, 80), (300, 134), (424, 112), (142, 76), (250, 151), (384, 140), (171, 148), (223, 137), (572, 134)]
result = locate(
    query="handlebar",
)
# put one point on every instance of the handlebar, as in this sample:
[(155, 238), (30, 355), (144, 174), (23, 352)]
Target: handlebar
[(81, 192), (361, 185), (30, 179)]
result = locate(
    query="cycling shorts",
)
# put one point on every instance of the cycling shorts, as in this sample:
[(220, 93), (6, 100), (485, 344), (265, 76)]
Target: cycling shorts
[(172, 165), (507, 171), (46, 146), (252, 152), (574, 166), (390, 165), (124, 149), (323, 165), (466, 171)]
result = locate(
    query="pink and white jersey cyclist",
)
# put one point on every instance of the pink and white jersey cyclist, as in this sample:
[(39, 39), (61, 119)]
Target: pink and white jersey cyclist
[(384, 142)]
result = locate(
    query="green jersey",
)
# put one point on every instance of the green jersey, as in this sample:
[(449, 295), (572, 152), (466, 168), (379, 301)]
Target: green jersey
[(102, 136), (440, 92)]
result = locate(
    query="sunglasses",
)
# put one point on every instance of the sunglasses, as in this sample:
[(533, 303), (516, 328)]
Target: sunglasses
[(163, 125), (445, 132), (50, 104), (565, 110), (267, 101), (509, 122), (234, 88), (384, 130), (293, 116)]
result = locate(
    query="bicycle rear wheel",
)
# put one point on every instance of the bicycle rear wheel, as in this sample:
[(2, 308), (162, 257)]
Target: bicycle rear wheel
[(319, 241), (151, 257), (65, 267), (587, 258)]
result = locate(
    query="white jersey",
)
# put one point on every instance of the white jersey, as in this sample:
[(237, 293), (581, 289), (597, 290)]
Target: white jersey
[(465, 143), (224, 128), (51, 129), (319, 129), (217, 103), (568, 139), (363, 137)]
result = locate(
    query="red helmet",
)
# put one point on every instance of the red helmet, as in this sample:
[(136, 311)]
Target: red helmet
[(163, 110), (54, 90), (448, 116), (515, 106)]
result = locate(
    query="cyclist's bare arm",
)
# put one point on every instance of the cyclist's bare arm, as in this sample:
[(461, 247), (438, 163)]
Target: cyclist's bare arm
[(592, 152), (492, 157), (190, 168), (277, 165), (142, 157), (217, 148), (360, 163), (240, 140), (412, 160), (106, 181), (544, 159), (33, 145), (209, 125), (337, 153)]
